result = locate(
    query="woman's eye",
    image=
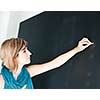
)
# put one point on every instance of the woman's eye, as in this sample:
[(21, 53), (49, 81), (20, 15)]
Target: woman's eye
[(24, 51)]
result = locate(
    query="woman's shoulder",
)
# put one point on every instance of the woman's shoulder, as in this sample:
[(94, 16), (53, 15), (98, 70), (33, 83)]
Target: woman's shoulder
[(1, 82)]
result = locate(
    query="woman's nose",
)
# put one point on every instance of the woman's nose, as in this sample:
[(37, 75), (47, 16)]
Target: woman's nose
[(29, 52)]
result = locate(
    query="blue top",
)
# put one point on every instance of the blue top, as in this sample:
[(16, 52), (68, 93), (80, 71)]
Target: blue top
[(22, 80)]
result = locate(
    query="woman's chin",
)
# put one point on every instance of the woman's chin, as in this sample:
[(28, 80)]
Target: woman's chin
[(28, 62)]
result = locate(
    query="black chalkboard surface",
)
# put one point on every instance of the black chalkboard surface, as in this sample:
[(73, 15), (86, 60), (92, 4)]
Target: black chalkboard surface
[(52, 33)]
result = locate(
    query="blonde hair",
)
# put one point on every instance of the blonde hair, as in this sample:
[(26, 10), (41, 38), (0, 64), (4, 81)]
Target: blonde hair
[(9, 51)]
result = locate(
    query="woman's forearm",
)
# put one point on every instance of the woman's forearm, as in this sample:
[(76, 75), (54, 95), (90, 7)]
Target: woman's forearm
[(60, 60)]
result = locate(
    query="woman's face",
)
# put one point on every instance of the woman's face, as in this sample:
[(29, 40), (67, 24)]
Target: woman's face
[(24, 56)]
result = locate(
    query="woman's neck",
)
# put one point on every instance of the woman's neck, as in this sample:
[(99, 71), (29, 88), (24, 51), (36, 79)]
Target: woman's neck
[(17, 72)]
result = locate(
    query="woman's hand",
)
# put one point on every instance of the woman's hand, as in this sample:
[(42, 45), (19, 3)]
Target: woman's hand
[(83, 44)]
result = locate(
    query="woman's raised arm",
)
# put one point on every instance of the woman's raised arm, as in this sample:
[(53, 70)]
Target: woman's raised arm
[(60, 60)]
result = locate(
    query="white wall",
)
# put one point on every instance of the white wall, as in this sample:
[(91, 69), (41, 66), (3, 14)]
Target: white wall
[(10, 20), (14, 20), (4, 20)]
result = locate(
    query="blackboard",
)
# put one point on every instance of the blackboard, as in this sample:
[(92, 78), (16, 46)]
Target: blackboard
[(52, 33)]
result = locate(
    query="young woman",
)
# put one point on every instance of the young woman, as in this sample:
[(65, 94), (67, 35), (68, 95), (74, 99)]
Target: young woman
[(15, 54)]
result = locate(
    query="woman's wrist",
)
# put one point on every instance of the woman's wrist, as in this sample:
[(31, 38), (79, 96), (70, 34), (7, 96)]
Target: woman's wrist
[(77, 49)]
